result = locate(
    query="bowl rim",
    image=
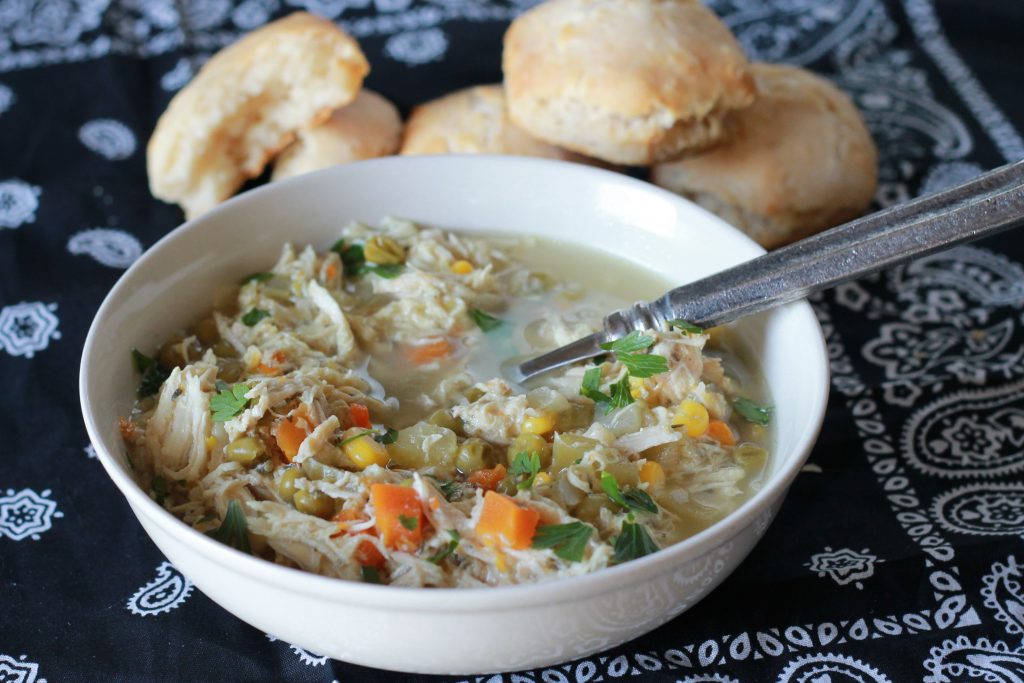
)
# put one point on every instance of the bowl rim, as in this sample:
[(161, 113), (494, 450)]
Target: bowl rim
[(500, 598)]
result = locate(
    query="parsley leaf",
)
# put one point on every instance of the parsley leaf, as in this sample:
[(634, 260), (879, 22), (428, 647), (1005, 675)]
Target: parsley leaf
[(390, 435), (751, 412), (631, 499), (591, 387), (409, 523), (354, 437), (526, 466), (254, 316), (352, 257), (633, 542), (685, 326), (620, 395), (485, 321), (153, 376), (370, 574), (642, 365), (568, 541), (388, 271), (229, 401), (448, 549), (451, 490), (256, 277), (631, 343), (233, 531)]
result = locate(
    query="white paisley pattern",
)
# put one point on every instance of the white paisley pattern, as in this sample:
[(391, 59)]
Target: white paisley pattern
[(305, 656), (167, 591), (26, 328), (18, 203), (1004, 594), (113, 248), (982, 509), (109, 138), (959, 660), (830, 668), (26, 514), (844, 566), (19, 670)]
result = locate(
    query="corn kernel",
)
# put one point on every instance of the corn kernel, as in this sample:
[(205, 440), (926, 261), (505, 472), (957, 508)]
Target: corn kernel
[(365, 451), (541, 424), (542, 479), (462, 267), (652, 474), (693, 416), (636, 387), (211, 443)]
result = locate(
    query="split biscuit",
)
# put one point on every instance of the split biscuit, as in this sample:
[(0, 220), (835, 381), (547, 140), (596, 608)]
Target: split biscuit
[(627, 81), (366, 128), (473, 121), (244, 106), (798, 161)]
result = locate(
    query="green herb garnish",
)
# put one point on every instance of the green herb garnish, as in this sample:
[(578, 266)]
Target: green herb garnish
[(448, 549), (233, 531), (685, 326), (153, 376), (370, 574), (254, 316), (352, 257), (256, 277), (526, 465), (159, 486), (751, 412), (451, 490), (356, 436), (229, 401), (389, 435), (631, 498), (485, 321), (642, 365), (631, 343), (591, 387), (409, 523), (620, 395), (568, 541), (633, 542)]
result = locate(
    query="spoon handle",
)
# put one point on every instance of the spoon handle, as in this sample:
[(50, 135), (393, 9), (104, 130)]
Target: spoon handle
[(986, 205), (977, 208)]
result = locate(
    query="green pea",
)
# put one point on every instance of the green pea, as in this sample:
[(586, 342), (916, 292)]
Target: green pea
[(206, 331), (472, 455), (245, 450), (314, 503), (286, 485)]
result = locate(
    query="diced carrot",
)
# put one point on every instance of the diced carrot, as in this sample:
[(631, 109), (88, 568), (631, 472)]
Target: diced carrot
[(721, 432), (400, 516), (503, 521), (279, 357), (368, 555), (488, 479), (332, 271), (360, 415), (421, 354), (268, 370), (127, 428), (290, 433)]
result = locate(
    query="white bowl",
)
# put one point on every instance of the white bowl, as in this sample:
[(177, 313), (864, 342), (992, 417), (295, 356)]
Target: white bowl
[(450, 630)]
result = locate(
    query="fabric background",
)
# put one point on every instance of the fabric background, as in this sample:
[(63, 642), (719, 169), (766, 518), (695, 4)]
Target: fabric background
[(897, 556)]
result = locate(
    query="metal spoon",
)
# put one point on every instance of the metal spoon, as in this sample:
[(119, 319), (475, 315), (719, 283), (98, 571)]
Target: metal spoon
[(986, 205)]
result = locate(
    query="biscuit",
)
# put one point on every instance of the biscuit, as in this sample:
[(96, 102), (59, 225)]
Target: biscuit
[(798, 161), (627, 81), (368, 127), (473, 121), (244, 106)]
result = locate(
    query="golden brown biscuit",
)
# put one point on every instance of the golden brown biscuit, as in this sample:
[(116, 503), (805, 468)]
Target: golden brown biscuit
[(473, 121), (798, 161), (366, 128), (244, 106), (628, 81)]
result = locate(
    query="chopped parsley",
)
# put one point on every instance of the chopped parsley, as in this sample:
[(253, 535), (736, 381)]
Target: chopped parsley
[(389, 435), (631, 343), (354, 437), (633, 542), (153, 376), (450, 489), (751, 412), (621, 396), (388, 271), (485, 321), (526, 466), (370, 574), (641, 365), (685, 326), (254, 316), (233, 531), (448, 549), (256, 277), (591, 387), (229, 401), (408, 522), (352, 257), (631, 499), (568, 541)]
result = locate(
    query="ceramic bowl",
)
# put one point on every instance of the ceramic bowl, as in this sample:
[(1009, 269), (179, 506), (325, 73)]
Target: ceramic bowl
[(451, 631)]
